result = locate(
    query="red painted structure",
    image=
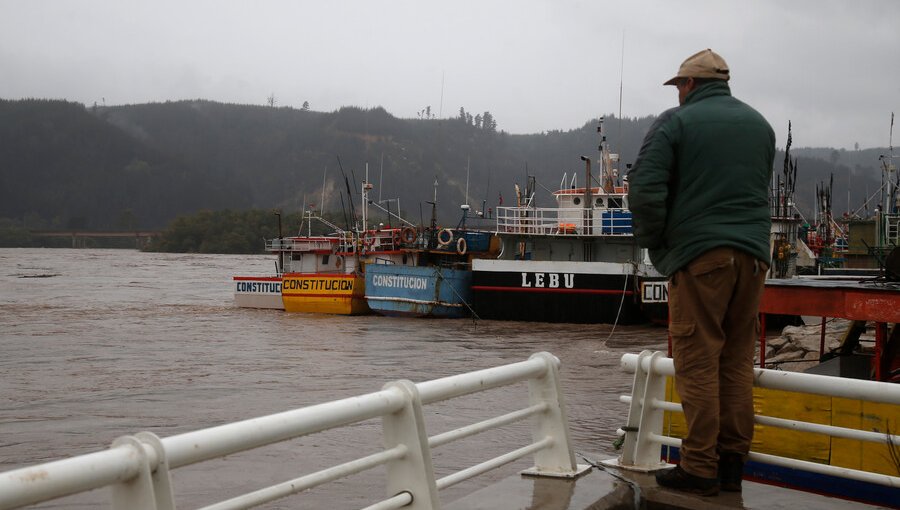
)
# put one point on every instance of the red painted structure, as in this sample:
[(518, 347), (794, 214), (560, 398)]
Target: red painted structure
[(852, 300)]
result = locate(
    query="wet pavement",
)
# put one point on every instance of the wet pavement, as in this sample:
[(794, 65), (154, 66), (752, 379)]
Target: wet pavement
[(615, 489)]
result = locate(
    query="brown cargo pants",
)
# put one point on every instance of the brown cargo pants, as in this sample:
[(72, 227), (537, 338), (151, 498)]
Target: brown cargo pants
[(713, 314)]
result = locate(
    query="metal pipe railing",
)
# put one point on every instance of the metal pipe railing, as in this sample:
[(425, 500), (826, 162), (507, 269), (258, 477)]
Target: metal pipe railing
[(137, 467), (859, 389), (558, 221), (644, 435)]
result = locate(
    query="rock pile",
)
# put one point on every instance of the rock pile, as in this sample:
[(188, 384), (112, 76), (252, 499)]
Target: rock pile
[(798, 346)]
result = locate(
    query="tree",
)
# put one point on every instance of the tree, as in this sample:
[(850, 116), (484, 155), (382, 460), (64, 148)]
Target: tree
[(478, 121), (305, 106), (271, 100), (488, 122)]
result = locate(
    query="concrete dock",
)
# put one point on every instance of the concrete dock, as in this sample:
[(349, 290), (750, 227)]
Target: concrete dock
[(614, 489)]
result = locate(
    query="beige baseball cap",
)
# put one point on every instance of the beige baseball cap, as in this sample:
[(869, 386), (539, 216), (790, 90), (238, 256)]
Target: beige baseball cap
[(703, 64)]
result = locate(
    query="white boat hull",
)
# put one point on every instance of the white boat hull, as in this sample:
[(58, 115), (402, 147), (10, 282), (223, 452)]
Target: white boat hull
[(258, 292)]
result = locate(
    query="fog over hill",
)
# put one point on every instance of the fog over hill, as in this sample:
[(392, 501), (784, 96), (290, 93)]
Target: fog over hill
[(65, 165)]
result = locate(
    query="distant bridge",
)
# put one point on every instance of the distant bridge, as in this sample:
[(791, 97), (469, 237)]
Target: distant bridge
[(141, 237)]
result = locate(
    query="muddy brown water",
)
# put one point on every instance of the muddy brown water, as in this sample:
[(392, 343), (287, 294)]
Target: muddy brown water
[(95, 344)]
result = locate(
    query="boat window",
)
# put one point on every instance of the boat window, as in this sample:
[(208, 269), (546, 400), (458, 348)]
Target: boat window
[(576, 200), (404, 259), (615, 203), (599, 202), (325, 259)]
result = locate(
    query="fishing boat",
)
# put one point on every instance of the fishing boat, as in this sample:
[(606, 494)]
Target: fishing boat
[(258, 291), (872, 247), (327, 274), (323, 273), (576, 262), (312, 274), (262, 291), (435, 277)]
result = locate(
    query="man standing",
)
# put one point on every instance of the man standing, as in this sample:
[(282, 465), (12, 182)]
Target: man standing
[(699, 198)]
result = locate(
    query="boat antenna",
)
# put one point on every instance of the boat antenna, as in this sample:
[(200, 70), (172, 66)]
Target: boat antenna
[(621, 80), (421, 215), (280, 262), (468, 161), (344, 211), (349, 192), (380, 175), (432, 239), (364, 192), (487, 193)]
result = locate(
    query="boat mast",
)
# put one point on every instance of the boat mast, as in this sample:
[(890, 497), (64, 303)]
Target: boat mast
[(606, 173), (365, 199)]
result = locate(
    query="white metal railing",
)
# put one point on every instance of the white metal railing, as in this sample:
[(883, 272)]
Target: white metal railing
[(302, 244), (643, 431), (137, 467), (892, 231), (555, 221)]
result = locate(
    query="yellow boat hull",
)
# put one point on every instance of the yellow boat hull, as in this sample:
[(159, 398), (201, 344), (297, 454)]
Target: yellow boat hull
[(340, 294), (820, 448)]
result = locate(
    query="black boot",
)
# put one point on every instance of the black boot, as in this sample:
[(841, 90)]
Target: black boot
[(731, 470), (683, 481)]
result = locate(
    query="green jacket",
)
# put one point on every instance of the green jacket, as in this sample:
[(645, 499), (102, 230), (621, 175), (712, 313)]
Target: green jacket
[(701, 180)]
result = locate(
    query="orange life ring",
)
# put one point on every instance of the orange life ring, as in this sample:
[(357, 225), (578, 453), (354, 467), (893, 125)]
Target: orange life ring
[(443, 239), (408, 235)]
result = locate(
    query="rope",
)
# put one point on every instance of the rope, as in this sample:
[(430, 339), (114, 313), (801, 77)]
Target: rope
[(475, 316), (635, 487), (619, 312)]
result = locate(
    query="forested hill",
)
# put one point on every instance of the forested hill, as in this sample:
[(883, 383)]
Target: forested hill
[(63, 165)]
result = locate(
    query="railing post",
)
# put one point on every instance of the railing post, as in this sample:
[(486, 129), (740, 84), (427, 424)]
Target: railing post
[(413, 473), (162, 482), (136, 493), (639, 452), (558, 460)]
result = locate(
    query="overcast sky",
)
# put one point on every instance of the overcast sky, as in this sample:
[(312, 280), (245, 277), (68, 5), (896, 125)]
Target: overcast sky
[(830, 66)]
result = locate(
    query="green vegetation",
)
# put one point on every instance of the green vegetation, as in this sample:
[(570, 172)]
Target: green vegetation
[(144, 167), (229, 231), (217, 232), (13, 235)]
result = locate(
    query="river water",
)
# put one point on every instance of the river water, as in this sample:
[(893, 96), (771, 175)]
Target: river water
[(95, 344)]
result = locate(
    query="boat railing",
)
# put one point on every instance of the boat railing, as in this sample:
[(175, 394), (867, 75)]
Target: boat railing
[(137, 468), (644, 432), (301, 244), (555, 221), (344, 243), (892, 229), (387, 239)]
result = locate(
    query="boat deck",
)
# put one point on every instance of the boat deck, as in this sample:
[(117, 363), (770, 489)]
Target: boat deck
[(831, 297), (874, 300)]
